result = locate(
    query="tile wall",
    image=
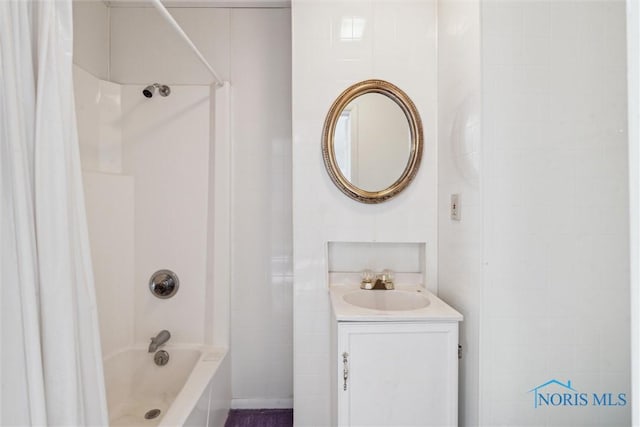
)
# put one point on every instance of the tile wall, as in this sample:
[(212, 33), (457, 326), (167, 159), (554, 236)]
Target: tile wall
[(556, 277), (460, 171), (325, 62), (538, 264), (262, 249)]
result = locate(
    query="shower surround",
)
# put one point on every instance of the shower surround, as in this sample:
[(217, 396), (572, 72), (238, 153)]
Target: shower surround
[(148, 191), (159, 190), (134, 47)]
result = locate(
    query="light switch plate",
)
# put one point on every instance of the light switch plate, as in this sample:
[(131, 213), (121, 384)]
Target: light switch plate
[(455, 207)]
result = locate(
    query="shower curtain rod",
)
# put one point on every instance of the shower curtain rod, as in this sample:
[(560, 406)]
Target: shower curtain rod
[(167, 16)]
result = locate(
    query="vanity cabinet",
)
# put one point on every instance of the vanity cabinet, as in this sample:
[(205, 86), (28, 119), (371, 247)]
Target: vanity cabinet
[(394, 373)]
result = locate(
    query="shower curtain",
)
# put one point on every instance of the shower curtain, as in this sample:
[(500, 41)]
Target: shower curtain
[(50, 348)]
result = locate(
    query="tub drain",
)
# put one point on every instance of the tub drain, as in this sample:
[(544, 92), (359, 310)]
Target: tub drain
[(151, 414)]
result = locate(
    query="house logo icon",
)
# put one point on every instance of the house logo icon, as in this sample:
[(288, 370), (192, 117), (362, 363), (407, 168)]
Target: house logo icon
[(563, 395), (555, 393)]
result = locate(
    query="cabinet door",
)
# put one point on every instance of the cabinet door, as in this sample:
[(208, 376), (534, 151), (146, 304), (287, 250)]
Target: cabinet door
[(397, 374)]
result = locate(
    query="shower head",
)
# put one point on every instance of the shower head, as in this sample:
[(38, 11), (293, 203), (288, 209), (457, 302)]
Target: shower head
[(148, 91), (163, 90)]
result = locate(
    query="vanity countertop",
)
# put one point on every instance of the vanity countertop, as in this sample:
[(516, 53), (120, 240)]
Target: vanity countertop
[(437, 310)]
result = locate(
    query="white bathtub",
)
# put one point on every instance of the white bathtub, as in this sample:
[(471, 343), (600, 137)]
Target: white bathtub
[(192, 389)]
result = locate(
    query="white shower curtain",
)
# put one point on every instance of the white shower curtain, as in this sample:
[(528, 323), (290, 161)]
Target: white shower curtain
[(50, 348)]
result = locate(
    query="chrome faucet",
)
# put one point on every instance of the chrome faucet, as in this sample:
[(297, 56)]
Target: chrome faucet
[(162, 337)]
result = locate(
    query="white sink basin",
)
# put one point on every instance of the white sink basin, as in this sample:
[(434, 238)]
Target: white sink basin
[(395, 300)]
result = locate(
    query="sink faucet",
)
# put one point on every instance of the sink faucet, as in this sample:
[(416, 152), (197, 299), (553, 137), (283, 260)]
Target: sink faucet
[(383, 281), (162, 337)]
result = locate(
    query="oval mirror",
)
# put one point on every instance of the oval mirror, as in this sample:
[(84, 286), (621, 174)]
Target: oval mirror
[(372, 141)]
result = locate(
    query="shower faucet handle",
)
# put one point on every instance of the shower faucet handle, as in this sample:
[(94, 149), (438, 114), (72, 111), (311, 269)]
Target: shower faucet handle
[(164, 284)]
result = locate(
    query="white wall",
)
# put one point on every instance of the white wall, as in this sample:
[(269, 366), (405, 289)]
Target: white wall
[(323, 66), (532, 136), (555, 285), (459, 172), (91, 37), (633, 76), (251, 49), (144, 48)]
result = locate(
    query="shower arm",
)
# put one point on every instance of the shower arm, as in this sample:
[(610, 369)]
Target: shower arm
[(167, 16)]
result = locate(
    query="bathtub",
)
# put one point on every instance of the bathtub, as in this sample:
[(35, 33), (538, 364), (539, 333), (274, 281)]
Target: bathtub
[(191, 389)]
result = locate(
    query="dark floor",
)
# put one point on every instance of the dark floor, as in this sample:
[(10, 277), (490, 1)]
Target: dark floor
[(260, 418)]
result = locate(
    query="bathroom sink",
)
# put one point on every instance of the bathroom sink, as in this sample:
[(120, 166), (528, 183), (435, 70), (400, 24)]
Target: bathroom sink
[(395, 300)]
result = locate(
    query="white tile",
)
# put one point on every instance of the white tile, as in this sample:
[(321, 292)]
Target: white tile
[(262, 294), (544, 195), (313, 21), (326, 214)]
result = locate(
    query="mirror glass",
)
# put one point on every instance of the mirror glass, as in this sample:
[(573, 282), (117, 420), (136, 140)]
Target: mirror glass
[(372, 141)]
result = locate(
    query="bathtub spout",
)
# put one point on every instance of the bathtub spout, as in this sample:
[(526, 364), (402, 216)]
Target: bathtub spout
[(162, 337)]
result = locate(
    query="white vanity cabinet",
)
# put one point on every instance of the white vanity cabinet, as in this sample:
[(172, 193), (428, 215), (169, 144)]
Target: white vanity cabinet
[(390, 372), (395, 374)]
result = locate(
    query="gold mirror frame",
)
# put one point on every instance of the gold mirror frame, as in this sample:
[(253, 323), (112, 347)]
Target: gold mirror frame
[(415, 155)]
